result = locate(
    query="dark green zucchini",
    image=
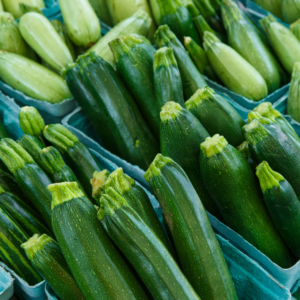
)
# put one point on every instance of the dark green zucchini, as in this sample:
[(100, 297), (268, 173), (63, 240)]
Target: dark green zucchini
[(283, 205), (32, 122), (47, 258), (8, 182), (181, 135), (193, 10), (137, 198), (167, 78), (132, 136), (245, 151), (78, 156), (22, 213), (268, 142), (3, 131), (199, 253), (11, 238), (30, 177), (232, 184), (134, 61), (86, 246), (192, 79), (206, 105), (144, 250), (97, 183)]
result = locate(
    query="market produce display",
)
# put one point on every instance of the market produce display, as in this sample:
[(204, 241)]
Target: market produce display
[(156, 90)]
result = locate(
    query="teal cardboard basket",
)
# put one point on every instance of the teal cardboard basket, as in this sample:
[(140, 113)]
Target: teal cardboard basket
[(6, 285)]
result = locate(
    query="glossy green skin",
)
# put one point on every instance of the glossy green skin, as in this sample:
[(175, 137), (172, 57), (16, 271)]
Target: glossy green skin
[(192, 79), (293, 105), (148, 255), (168, 85), (181, 23), (281, 152), (199, 253), (86, 246), (233, 186), (9, 184), (248, 157), (243, 38), (284, 208), (3, 131), (129, 130), (226, 120), (273, 6), (24, 215), (180, 140), (52, 266), (286, 127), (216, 24), (33, 182), (136, 71), (11, 238), (290, 10)]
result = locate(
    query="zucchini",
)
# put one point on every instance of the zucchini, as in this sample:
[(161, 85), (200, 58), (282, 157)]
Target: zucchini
[(295, 29), (284, 43), (97, 183), (290, 10), (8, 182), (144, 249), (192, 79), (78, 156), (55, 165), (268, 142), (32, 122), (136, 198), (174, 14), (199, 253), (167, 78), (293, 105), (101, 9), (193, 10), (1, 6), (233, 70), (245, 151), (3, 132), (181, 135), (134, 61), (11, 238), (81, 22), (216, 3), (243, 38), (22, 213), (283, 205), (126, 126), (47, 258), (86, 246), (233, 186), (273, 6), (206, 105), (29, 176), (13, 6), (26, 8), (32, 79), (138, 23), (198, 56)]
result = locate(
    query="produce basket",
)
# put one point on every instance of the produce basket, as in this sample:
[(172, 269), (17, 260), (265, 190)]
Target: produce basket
[(52, 8), (6, 285)]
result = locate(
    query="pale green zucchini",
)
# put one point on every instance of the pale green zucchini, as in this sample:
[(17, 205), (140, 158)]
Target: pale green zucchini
[(13, 6)]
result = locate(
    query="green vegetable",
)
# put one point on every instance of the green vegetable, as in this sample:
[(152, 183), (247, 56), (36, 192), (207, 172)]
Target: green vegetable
[(181, 135), (86, 246), (134, 195), (78, 156), (282, 204), (293, 103), (206, 105), (101, 9), (199, 253), (29, 176), (3, 132), (216, 3), (295, 29), (134, 61), (233, 186), (290, 10), (8, 182), (32, 122), (198, 56), (243, 38), (245, 151), (233, 70), (55, 165), (138, 23), (193, 10), (1, 6), (284, 43), (81, 21), (13, 6), (22, 213), (167, 78), (273, 6), (268, 142), (192, 79), (175, 15), (106, 101), (47, 258), (26, 8), (32, 79), (145, 251)]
